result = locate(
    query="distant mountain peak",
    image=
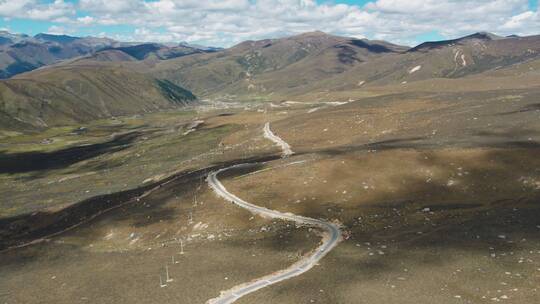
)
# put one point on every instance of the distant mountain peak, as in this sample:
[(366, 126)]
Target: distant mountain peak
[(482, 36), (378, 46), (315, 33), (312, 35), (485, 36), (55, 38), (7, 37)]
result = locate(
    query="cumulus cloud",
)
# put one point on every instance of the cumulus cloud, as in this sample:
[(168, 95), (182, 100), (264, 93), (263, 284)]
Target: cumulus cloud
[(58, 10), (59, 30), (226, 22), (109, 6), (86, 20), (9, 8), (230, 21), (451, 17), (527, 20)]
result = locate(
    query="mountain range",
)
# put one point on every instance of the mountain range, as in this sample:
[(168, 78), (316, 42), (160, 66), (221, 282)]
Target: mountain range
[(22, 53), (70, 79)]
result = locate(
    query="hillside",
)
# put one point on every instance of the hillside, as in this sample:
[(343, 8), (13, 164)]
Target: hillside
[(466, 56), (461, 58), (260, 67), (23, 53), (72, 94), (145, 77), (157, 51), (297, 65), (314, 169)]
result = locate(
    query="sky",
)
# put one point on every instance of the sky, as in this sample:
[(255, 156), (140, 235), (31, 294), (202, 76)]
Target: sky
[(227, 22)]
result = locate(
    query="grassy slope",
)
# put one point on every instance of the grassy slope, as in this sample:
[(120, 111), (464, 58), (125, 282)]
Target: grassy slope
[(375, 164), (80, 93), (279, 69), (466, 152), (262, 67), (75, 165), (284, 68)]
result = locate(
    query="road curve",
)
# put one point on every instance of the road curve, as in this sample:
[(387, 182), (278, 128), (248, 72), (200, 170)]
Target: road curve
[(331, 237), (280, 142)]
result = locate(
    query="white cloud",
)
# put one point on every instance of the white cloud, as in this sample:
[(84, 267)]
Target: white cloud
[(59, 30), (449, 17), (10, 8), (226, 22), (144, 34), (57, 10), (86, 20), (524, 23), (109, 6), (231, 21)]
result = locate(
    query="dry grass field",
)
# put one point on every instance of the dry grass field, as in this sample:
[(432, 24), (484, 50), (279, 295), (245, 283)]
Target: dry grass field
[(438, 194)]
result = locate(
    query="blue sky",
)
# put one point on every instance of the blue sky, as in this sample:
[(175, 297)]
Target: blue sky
[(226, 22)]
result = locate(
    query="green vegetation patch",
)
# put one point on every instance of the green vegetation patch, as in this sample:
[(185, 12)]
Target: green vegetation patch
[(74, 167), (175, 93)]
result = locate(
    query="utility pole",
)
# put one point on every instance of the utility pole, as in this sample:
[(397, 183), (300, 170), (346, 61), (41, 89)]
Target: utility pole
[(169, 279), (161, 282)]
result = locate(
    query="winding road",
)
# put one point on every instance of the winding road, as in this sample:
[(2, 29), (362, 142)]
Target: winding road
[(280, 142), (331, 236)]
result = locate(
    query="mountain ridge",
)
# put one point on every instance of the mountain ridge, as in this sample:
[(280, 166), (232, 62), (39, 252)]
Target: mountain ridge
[(21, 53), (267, 69)]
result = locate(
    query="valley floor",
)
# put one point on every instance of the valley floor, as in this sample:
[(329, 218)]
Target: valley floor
[(437, 194)]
